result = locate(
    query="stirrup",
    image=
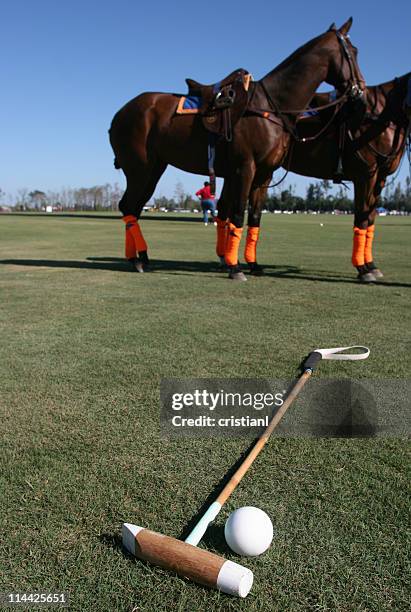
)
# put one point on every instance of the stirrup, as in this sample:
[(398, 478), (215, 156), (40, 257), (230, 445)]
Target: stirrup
[(339, 173)]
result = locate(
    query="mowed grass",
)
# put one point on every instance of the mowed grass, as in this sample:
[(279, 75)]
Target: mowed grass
[(84, 345)]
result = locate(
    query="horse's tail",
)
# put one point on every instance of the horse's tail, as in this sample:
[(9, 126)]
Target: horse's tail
[(116, 164)]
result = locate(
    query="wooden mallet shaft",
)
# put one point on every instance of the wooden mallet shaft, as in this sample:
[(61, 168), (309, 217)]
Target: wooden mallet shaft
[(262, 441)]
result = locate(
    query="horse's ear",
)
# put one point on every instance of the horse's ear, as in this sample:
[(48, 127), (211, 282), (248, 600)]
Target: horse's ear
[(346, 27), (332, 27)]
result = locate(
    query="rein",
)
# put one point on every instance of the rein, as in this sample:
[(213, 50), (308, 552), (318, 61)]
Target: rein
[(388, 158), (396, 148), (311, 109), (323, 129), (282, 114), (287, 170)]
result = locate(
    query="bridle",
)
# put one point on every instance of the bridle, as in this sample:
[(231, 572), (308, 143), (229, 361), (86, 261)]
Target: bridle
[(355, 82)]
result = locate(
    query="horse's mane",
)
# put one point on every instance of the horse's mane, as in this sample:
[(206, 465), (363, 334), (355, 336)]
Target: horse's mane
[(388, 84)]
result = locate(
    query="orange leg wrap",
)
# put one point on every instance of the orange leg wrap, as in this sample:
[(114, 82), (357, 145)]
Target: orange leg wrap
[(368, 244), (227, 236), (133, 228), (250, 252), (233, 244), (130, 246), (360, 236), (222, 230)]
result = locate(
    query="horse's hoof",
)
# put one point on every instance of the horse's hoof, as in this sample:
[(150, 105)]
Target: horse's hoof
[(236, 274), (371, 267), (139, 266), (256, 269), (367, 277), (376, 272)]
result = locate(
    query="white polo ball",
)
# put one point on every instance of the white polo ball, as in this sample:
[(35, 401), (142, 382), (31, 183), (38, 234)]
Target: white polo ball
[(248, 531)]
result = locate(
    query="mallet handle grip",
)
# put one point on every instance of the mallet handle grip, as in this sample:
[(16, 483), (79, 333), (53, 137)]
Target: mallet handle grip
[(312, 360)]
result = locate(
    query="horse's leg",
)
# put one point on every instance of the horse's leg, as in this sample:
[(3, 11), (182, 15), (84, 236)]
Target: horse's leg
[(222, 223), (364, 202), (141, 184), (241, 183), (369, 259), (257, 197)]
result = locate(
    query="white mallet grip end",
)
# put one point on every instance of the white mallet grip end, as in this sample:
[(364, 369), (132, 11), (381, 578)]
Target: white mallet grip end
[(129, 533), (235, 579)]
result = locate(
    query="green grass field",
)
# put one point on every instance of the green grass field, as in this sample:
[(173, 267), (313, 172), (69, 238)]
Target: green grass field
[(84, 345)]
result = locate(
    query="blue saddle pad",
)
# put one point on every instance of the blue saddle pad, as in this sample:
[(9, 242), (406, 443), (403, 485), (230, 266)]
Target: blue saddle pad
[(192, 102)]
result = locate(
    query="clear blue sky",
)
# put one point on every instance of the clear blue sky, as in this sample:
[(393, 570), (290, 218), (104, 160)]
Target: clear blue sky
[(66, 68)]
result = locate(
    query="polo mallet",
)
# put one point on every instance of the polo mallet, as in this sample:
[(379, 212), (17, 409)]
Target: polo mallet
[(202, 566)]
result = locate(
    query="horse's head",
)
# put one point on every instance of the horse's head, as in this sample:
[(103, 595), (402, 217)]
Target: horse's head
[(343, 70)]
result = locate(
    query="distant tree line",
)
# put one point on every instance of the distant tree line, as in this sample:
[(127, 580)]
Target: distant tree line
[(397, 197), (319, 197), (99, 197)]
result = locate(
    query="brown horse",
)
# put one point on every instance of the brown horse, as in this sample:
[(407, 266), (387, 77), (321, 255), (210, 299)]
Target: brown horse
[(366, 151), (364, 154), (147, 135)]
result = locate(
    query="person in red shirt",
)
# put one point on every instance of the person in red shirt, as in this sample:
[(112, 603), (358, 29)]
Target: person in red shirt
[(207, 203)]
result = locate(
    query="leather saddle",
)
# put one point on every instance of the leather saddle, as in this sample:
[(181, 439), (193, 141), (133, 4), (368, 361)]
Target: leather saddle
[(222, 103)]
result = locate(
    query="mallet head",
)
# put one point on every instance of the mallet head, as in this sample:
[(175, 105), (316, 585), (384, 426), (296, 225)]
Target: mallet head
[(188, 561)]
